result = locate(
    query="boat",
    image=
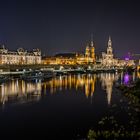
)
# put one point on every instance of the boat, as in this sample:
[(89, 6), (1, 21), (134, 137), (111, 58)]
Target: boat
[(90, 70), (37, 75), (76, 70)]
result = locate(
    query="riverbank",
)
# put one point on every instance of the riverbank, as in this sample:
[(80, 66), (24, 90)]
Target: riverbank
[(62, 68), (131, 91), (109, 126)]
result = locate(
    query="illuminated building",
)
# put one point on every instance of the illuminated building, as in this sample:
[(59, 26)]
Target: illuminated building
[(20, 56), (49, 60), (62, 58), (72, 58), (87, 52), (108, 58), (89, 57), (66, 58), (126, 62), (80, 59), (93, 53), (90, 53)]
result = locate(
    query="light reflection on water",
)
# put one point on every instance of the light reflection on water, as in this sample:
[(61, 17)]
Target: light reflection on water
[(85, 82), (19, 89), (31, 91), (107, 80)]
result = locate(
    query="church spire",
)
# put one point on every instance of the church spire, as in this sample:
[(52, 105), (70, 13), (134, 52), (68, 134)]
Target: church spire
[(91, 42), (109, 48), (109, 38), (109, 42)]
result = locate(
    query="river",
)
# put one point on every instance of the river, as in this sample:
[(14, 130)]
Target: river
[(65, 107)]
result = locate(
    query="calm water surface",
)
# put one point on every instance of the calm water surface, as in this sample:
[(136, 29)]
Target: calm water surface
[(65, 106)]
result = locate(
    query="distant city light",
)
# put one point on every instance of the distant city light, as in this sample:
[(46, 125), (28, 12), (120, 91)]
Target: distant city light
[(126, 58)]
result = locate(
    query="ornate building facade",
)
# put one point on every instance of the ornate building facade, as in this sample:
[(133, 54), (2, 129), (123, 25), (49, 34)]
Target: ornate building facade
[(89, 57), (73, 58), (108, 57), (90, 53), (20, 56)]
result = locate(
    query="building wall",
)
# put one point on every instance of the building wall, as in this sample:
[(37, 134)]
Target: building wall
[(89, 54), (107, 58), (19, 57)]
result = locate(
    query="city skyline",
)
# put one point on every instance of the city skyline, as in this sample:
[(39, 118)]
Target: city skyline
[(59, 26)]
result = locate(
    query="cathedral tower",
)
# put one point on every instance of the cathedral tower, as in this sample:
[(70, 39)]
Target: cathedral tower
[(109, 48), (92, 49), (87, 52)]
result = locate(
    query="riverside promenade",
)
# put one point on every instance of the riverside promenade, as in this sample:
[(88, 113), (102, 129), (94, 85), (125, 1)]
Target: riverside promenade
[(21, 69)]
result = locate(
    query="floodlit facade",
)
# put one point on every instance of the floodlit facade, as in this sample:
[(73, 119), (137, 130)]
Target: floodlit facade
[(73, 58), (89, 57), (60, 59), (20, 56), (126, 63), (108, 57), (90, 53)]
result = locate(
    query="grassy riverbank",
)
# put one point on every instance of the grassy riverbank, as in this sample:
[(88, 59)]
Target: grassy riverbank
[(109, 127)]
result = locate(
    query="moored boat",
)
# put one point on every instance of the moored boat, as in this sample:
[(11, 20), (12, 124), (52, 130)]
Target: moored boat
[(37, 75)]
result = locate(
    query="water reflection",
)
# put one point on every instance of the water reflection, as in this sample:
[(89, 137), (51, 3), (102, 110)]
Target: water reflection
[(138, 75), (129, 78), (84, 82), (28, 91), (126, 79), (107, 80), (21, 91)]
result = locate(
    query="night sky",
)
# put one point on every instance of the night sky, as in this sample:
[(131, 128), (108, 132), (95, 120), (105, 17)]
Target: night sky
[(57, 26)]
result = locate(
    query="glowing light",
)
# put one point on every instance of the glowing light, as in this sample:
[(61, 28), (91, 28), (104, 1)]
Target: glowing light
[(126, 58), (126, 79)]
